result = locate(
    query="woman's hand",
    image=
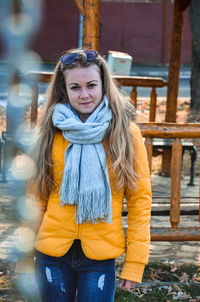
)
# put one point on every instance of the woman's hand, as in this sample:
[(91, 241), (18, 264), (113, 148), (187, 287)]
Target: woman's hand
[(127, 284)]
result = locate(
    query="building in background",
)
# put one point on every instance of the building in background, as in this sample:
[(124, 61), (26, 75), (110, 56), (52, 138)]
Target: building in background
[(139, 28)]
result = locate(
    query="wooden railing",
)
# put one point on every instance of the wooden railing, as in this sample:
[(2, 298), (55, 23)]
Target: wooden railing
[(176, 132), (128, 81), (150, 82)]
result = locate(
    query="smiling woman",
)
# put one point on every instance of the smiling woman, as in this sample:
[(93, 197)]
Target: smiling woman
[(89, 154)]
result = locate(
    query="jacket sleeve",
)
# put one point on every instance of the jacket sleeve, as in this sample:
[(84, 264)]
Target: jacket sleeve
[(34, 210), (138, 219)]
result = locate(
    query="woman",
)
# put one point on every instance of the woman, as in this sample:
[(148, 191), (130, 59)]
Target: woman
[(89, 155)]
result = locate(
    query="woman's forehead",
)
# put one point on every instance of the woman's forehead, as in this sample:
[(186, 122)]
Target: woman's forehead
[(88, 73)]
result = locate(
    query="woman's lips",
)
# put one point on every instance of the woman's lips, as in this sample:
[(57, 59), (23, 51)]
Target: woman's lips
[(86, 103)]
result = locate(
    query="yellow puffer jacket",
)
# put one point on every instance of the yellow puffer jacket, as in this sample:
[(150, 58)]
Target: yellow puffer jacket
[(102, 240)]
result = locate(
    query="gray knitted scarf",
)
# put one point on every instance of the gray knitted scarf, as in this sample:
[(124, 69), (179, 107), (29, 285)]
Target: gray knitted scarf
[(85, 181)]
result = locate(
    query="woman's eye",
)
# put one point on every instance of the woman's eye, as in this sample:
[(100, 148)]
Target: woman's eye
[(74, 87), (91, 85)]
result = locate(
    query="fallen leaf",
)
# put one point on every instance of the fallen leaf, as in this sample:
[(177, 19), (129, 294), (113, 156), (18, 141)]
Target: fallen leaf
[(173, 268), (184, 277), (152, 277), (185, 296), (176, 287), (197, 279)]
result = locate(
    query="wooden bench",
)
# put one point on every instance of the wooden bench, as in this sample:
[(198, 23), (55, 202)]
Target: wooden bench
[(174, 132)]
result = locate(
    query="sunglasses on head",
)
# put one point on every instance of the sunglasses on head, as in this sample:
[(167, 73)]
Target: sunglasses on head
[(71, 57)]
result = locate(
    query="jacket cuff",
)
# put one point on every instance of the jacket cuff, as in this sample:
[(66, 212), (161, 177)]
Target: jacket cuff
[(132, 271)]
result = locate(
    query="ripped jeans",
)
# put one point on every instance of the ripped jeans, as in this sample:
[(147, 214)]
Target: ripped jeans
[(74, 277)]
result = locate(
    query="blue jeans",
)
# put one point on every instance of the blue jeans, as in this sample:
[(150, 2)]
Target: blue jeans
[(61, 279)]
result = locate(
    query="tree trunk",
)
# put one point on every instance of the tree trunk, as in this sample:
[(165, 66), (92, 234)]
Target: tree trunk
[(194, 14)]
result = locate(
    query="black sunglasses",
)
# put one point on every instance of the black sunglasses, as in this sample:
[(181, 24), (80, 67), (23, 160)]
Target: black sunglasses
[(71, 57)]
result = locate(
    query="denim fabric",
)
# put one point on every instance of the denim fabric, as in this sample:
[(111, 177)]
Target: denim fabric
[(60, 279)]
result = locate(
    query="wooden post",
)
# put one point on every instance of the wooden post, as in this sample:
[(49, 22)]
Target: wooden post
[(34, 104), (91, 24), (153, 104), (173, 76), (149, 147), (175, 183), (174, 63), (90, 10), (133, 97)]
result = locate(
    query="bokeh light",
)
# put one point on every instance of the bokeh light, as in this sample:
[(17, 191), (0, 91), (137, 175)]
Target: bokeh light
[(28, 208), (22, 167), (26, 239)]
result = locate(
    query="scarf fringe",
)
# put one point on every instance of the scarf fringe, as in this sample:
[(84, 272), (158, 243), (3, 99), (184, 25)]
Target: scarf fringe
[(69, 189), (93, 207)]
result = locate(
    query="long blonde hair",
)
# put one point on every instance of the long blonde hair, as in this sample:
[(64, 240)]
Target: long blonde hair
[(119, 141)]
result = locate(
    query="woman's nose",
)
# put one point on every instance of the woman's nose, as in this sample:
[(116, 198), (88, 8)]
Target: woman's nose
[(84, 93)]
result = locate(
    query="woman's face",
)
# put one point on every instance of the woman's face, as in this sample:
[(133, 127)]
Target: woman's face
[(84, 89)]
